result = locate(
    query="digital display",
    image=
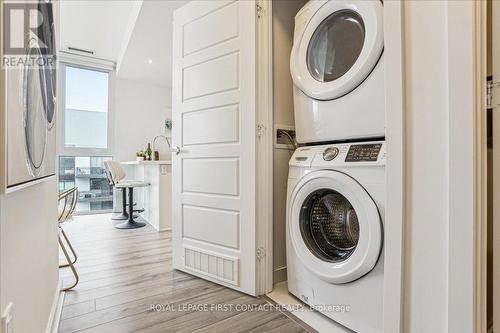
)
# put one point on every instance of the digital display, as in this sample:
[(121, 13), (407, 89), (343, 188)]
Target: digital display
[(363, 153)]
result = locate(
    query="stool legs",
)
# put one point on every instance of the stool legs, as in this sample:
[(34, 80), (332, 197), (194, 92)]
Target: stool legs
[(131, 223), (123, 215), (70, 262)]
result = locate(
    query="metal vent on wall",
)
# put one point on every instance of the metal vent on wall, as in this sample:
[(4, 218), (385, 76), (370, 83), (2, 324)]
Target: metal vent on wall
[(212, 265)]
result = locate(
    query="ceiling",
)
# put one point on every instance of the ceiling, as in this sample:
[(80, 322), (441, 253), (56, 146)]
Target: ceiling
[(151, 40), (98, 25), (136, 35)]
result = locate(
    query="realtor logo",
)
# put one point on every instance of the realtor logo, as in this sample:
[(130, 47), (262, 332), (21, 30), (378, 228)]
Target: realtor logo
[(28, 37)]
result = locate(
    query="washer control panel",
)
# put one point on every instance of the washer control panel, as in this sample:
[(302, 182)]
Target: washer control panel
[(340, 155), (363, 152), (330, 153)]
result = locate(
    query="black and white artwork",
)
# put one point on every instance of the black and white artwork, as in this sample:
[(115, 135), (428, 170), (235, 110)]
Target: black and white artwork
[(31, 105)]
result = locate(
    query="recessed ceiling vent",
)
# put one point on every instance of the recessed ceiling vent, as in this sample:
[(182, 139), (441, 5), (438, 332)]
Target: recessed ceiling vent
[(70, 48)]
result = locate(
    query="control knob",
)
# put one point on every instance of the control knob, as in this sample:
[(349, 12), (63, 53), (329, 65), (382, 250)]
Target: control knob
[(330, 153)]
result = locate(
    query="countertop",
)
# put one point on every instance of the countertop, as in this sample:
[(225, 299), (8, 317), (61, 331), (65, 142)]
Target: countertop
[(147, 162)]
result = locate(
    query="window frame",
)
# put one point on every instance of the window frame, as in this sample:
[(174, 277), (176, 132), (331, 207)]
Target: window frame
[(82, 151)]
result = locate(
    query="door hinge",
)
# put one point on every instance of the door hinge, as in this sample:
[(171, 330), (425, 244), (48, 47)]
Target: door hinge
[(261, 129), (261, 253), (259, 10), (490, 102)]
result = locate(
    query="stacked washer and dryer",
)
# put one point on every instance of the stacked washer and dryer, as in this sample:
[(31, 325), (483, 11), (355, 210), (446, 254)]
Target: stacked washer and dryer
[(336, 184)]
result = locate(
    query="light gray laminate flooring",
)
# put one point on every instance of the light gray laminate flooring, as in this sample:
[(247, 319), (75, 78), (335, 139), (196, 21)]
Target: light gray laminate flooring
[(123, 273)]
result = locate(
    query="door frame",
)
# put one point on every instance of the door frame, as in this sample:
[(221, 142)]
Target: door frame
[(394, 229), (264, 150), (467, 155), (481, 200), (479, 301)]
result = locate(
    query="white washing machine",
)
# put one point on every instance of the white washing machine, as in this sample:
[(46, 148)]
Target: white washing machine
[(337, 68), (335, 214)]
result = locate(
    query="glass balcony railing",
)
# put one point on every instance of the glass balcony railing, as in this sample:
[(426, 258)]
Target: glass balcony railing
[(88, 174)]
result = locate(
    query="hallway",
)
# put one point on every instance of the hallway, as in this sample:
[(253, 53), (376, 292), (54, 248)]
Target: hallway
[(123, 273)]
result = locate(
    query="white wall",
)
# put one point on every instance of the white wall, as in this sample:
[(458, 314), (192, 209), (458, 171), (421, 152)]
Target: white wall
[(29, 274), (283, 25), (427, 167), (140, 113), (439, 233)]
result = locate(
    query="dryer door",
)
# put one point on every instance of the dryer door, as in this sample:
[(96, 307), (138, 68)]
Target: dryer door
[(339, 47), (334, 226)]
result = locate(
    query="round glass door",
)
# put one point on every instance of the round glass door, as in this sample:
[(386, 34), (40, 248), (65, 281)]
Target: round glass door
[(35, 120), (335, 45), (334, 226), (46, 31), (338, 48), (329, 225)]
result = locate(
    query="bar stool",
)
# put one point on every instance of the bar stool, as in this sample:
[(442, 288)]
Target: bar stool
[(67, 207), (123, 215), (118, 175)]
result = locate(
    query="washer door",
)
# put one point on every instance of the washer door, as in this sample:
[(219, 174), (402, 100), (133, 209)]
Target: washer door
[(339, 47), (35, 116), (46, 32), (334, 226)]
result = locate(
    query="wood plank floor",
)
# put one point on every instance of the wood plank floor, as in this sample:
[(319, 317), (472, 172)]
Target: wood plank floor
[(123, 273)]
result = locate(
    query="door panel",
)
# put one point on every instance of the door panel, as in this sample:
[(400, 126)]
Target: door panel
[(211, 176), (215, 226), (213, 105), (225, 130), (211, 77), (207, 31)]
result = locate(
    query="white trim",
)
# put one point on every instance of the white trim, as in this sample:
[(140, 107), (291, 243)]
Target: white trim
[(480, 255), (264, 151), (56, 310), (395, 166), (67, 57), (75, 151), (462, 182), (3, 117)]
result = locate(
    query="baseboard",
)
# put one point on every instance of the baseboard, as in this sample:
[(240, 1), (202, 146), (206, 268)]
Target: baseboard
[(56, 310)]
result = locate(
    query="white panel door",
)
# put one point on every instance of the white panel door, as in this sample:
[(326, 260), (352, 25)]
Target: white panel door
[(214, 116)]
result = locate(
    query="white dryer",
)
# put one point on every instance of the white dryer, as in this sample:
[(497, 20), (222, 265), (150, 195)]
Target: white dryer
[(337, 68), (335, 213)]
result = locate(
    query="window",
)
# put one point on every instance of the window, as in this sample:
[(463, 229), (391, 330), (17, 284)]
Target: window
[(85, 110), (87, 173), (86, 106)]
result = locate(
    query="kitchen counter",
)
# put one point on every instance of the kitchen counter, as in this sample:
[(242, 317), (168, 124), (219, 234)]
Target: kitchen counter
[(146, 162), (156, 199)]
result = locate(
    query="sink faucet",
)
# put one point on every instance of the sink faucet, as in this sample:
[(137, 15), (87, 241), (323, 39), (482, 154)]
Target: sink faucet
[(159, 136)]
